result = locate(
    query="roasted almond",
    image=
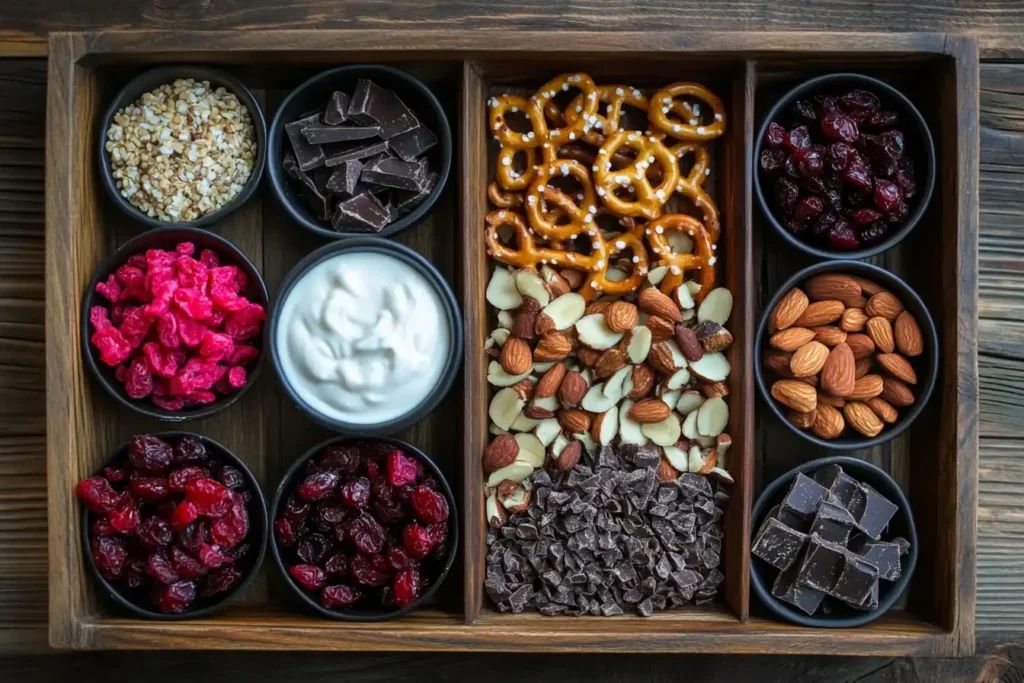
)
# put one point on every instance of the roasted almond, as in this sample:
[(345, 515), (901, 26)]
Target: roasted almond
[(551, 380), (828, 422), (649, 411), (867, 287), (597, 307), (862, 367), (820, 313), (853, 320), (609, 363), (908, 335), (866, 387), (798, 395), (666, 472), (861, 418), (643, 380), (500, 452), (897, 366), (777, 362), (662, 359), (791, 338), (506, 488), (808, 359), (809, 379), (831, 286), (569, 456), (661, 328), (896, 392), (525, 323), (621, 316), (587, 356), (788, 310), (575, 278), (830, 400), (654, 302), (516, 357), (525, 388), (880, 331), (883, 409), (712, 336), (572, 389), (686, 340), (714, 389), (552, 346), (553, 281), (801, 420), (885, 305), (837, 375), (574, 421), (538, 413), (829, 335), (861, 345)]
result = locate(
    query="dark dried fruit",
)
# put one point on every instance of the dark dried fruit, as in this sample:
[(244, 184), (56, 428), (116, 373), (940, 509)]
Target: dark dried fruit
[(366, 534), (318, 486), (220, 581), (339, 596), (839, 127), (97, 494), (154, 533), (773, 161), (308, 576), (190, 451), (860, 103), (149, 488), (187, 566), (336, 565), (213, 556), (796, 139), (811, 162), (775, 135), (231, 477), (786, 194), (356, 493), (161, 569), (340, 459), (313, 548), (177, 597), (109, 553), (406, 587), (284, 532), (416, 541), (843, 237), (803, 109), (369, 570), (808, 209), (150, 454), (429, 505)]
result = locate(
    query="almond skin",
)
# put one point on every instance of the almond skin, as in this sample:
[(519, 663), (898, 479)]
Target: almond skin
[(525, 388), (832, 286), (621, 316), (537, 413), (897, 366), (896, 392), (609, 363), (880, 331), (714, 389), (862, 418), (660, 358), (867, 287), (597, 307), (808, 359), (569, 456), (861, 345), (553, 282), (828, 422), (821, 313), (649, 411), (883, 409), (551, 380), (831, 400), (829, 335), (587, 356), (777, 362), (552, 346), (853, 320), (837, 375), (686, 340), (500, 452), (809, 379), (908, 335), (661, 329), (862, 367), (788, 310), (574, 421), (574, 277), (643, 381), (798, 395), (666, 472), (885, 305), (791, 338), (516, 357), (866, 387), (572, 389), (712, 336), (654, 302), (801, 420), (525, 324)]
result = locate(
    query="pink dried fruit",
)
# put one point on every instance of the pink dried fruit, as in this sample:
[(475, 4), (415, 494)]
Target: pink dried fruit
[(402, 469), (429, 505), (416, 541), (308, 576), (407, 587), (177, 597), (339, 596), (97, 494)]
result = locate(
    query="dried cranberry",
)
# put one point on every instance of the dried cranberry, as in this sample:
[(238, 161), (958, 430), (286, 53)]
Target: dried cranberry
[(810, 163), (856, 174), (372, 468), (180, 478), (797, 138), (313, 548), (792, 225), (804, 109), (790, 168), (429, 505), (210, 497), (907, 183), (843, 237), (340, 459), (97, 494), (369, 570), (839, 156), (230, 530), (284, 532), (161, 569), (154, 533), (150, 454), (883, 119), (125, 516), (187, 566), (332, 514), (402, 469), (337, 565), (386, 505), (786, 194), (184, 514), (366, 534), (339, 596), (860, 103), (109, 553), (808, 209), (416, 541), (775, 135), (406, 587), (135, 574), (115, 475), (872, 233), (101, 527), (356, 493), (889, 144), (438, 533), (318, 486), (386, 596), (309, 577), (149, 488), (862, 217), (190, 451), (295, 510), (231, 477), (887, 196), (213, 557), (840, 127), (773, 161), (177, 597), (220, 581)]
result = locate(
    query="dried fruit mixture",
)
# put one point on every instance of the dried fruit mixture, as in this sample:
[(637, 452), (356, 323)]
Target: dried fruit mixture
[(169, 525), (365, 528), (178, 329)]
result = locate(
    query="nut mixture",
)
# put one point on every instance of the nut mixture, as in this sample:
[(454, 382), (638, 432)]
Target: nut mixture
[(182, 151)]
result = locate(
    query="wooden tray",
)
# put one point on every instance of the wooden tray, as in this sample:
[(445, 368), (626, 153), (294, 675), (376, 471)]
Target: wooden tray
[(748, 70)]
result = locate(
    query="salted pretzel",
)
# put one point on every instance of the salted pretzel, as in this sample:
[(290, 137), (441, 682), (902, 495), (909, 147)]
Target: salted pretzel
[(509, 177), (573, 130), (691, 185), (503, 199), (703, 256), (527, 254), (614, 97), (648, 200), (501, 107), (541, 195), (663, 103), (631, 240)]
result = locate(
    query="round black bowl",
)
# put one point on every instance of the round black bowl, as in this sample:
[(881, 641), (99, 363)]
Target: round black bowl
[(313, 95), (926, 365), (453, 323), (257, 509), (167, 74), (919, 144), (762, 575), (166, 238), (291, 481)]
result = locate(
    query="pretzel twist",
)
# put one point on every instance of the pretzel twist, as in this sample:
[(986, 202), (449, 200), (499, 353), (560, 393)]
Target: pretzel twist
[(502, 199), (631, 240), (527, 254), (615, 97), (691, 185), (702, 258), (501, 107), (573, 130), (649, 150), (509, 177), (663, 103), (542, 195)]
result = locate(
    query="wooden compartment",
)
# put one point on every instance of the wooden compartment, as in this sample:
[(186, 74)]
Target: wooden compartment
[(747, 71)]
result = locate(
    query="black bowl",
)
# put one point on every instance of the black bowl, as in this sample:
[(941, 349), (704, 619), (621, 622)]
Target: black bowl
[(454, 325), (166, 238), (256, 507), (167, 74), (313, 94), (290, 482), (919, 144), (902, 524), (927, 364)]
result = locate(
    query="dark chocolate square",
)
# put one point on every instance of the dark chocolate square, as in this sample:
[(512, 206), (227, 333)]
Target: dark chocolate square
[(804, 495), (320, 134), (402, 175), (855, 581), (334, 112), (790, 519), (839, 484), (876, 512), (788, 590), (885, 556), (345, 177), (309, 156), (371, 103), (823, 563), (362, 212), (871, 603), (832, 523), (412, 144), (777, 544), (339, 152)]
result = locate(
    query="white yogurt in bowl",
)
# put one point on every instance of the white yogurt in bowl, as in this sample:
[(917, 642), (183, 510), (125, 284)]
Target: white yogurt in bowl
[(364, 338)]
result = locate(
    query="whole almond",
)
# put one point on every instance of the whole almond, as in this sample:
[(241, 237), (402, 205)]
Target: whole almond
[(714, 389), (866, 387), (808, 359), (553, 282), (649, 411), (830, 400), (853, 320), (712, 336), (643, 381), (552, 346), (861, 345), (856, 302), (597, 307), (686, 340), (661, 329), (506, 488), (621, 316), (885, 305), (661, 359), (798, 395), (862, 418), (661, 305), (837, 375), (831, 286), (777, 362), (788, 310), (666, 472), (572, 389), (525, 324), (896, 392), (500, 452), (829, 335), (820, 313), (551, 380), (574, 277), (574, 421), (569, 456), (880, 331), (791, 338), (908, 335), (610, 362), (862, 367), (809, 379), (801, 420), (537, 413), (587, 356), (867, 287), (883, 409), (897, 366), (516, 357), (525, 388), (828, 422)]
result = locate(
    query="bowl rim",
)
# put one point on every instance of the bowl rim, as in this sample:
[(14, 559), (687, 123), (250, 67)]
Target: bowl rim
[(275, 140), (928, 153), (258, 499), (927, 325), (287, 486), (167, 74), (109, 265), (453, 362), (899, 587)]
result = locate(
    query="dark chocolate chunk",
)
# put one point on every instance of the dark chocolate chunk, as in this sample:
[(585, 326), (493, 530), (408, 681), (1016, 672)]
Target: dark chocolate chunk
[(309, 156), (361, 212), (876, 512), (334, 112), (372, 104), (839, 484), (855, 581), (885, 556), (788, 590), (319, 203), (340, 152), (872, 599), (320, 134), (832, 523), (344, 177), (777, 544), (804, 495), (790, 519), (902, 543), (394, 173), (410, 145), (822, 564)]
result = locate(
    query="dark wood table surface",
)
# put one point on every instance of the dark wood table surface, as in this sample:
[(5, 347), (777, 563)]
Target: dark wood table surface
[(998, 25)]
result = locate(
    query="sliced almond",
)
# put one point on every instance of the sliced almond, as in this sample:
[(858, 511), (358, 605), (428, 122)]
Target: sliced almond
[(717, 306), (627, 384), (588, 444), (547, 403), (530, 283), (664, 433), (684, 298), (712, 417), (690, 426), (705, 441), (596, 401), (495, 430), (615, 275), (677, 457), (693, 286), (497, 376), (517, 472), (689, 401), (531, 450), (671, 397), (615, 384), (547, 430), (562, 313), (677, 380), (502, 292), (722, 444), (588, 376), (505, 407), (712, 367), (679, 242), (629, 429), (557, 446), (721, 474), (518, 501), (639, 344), (497, 338), (695, 459), (506, 320), (656, 275), (605, 426), (595, 333), (495, 512), (545, 366), (523, 423)]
